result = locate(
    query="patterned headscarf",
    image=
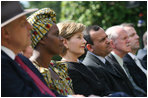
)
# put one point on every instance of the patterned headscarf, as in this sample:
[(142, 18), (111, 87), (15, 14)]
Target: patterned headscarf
[(42, 21)]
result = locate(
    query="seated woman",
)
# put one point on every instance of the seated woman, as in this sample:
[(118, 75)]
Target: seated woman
[(46, 43), (84, 81)]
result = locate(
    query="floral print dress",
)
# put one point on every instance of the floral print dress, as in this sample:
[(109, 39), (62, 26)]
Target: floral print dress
[(63, 85)]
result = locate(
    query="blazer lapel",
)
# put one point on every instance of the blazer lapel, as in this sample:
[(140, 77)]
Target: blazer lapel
[(143, 65), (111, 69), (21, 72), (85, 71), (107, 67), (116, 65)]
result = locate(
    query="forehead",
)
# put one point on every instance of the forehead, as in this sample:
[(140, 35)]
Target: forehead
[(122, 33), (19, 20), (130, 30), (97, 34), (54, 29), (78, 33)]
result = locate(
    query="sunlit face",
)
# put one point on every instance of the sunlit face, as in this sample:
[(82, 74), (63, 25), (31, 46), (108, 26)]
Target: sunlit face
[(76, 44), (52, 41), (121, 43), (19, 33), (101, 44), (133, 38)]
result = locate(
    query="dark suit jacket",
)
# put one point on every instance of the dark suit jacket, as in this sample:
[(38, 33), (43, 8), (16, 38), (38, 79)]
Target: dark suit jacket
[(84, 80), (15, 81), (142, 55), (137, 74), (111, 77)]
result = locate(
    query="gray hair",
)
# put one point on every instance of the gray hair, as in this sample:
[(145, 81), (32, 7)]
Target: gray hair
[(112, 32)]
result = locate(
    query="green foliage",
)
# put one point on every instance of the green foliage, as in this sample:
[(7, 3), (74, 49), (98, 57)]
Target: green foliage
[(102, 13), (56, 58)]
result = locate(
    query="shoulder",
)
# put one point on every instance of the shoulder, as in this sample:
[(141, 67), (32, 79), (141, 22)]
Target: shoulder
[(5, 58), (127, 58)]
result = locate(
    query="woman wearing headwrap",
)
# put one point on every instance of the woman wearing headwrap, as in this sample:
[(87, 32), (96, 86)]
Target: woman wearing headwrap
[(46, 43)]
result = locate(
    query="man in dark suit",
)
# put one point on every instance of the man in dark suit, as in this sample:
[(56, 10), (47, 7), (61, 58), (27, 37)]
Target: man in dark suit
[(121, 47), (18, 77), (98, 46), (142, 53), (135, 66)]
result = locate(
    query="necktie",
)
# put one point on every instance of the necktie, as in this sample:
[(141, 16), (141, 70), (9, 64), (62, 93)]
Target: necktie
[(43, 88)]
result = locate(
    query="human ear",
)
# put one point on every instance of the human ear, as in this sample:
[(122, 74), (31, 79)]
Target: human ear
[(89, 47), (112, 44), (5, 33), (65, 43)]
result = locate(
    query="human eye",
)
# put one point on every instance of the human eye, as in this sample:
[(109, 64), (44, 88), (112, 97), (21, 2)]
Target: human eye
[(132, 35), (79, 37), (57, 34)]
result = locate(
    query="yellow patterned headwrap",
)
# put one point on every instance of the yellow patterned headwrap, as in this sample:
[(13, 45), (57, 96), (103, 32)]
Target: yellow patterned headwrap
[(42, 21)]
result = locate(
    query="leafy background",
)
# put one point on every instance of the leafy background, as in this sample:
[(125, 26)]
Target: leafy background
[(102, 13)]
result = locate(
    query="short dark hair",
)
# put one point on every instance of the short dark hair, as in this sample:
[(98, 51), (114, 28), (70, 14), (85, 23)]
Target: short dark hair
[(86, 33)]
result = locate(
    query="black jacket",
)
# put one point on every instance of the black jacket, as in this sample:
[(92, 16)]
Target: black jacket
[(111, 76), (84, 80), (15, 82), (137, 74)]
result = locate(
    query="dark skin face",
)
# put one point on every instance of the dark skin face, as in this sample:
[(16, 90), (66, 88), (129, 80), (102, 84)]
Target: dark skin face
[(52, 41), (48, 46)]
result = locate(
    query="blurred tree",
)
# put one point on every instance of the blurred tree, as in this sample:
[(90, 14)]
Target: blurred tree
[(103, 13), (107, 13), (55, 5)]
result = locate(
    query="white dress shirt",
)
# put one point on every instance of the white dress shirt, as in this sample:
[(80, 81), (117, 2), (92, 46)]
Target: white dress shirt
[(119, 60), (138, 63), (99, 57), (9, 52)]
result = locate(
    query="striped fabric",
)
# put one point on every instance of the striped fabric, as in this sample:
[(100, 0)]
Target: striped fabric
[(42, 21)]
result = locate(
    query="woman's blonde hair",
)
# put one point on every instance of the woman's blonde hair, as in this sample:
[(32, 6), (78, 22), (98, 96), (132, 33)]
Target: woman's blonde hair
[(67, 29)]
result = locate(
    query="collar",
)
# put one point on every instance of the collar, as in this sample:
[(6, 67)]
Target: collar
[(132, 55), (99, 57), (119, 59), (9, 52)]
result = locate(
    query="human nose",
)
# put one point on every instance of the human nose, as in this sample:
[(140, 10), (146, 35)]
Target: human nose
[(137, 37), (127, 41), (61, 38), (107, 41), (84, 41)]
